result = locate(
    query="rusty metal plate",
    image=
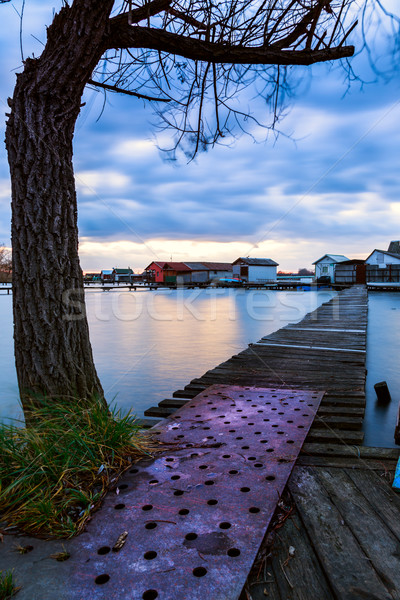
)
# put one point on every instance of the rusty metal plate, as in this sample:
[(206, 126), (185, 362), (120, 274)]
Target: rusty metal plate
[(197, 514)]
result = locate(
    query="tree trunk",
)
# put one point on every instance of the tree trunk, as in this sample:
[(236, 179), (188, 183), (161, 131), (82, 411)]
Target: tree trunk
[(52, 348)]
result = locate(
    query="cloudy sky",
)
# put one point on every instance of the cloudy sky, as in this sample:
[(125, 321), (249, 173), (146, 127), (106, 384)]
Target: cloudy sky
[(329, 183)]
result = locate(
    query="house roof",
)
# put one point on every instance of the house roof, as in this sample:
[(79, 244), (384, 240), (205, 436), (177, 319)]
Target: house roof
[(353, 261), (196, 266), (158, 263), (384, 252), (259, 262), (127, 271), (107, 272), (209, 266), (218, 266), (333, 257), (176, 266)]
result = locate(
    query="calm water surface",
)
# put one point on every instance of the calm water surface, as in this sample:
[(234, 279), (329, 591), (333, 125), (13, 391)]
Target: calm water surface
[(383, 356), (148, 344)]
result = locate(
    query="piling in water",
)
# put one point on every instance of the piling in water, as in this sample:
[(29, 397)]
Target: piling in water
[(382, 392)]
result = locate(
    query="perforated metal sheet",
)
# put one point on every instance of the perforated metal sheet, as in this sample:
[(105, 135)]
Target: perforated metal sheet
[(197, 514)]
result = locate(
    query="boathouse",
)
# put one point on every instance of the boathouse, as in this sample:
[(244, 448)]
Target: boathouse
[(255, 270), (351, 271), (384, 265), (383, 258), (154, 272), (107, 275), (206, 272), (176, 272), (326, 265), (122, 275)]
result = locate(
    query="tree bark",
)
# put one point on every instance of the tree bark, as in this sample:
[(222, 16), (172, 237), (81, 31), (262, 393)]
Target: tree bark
[(52, 348)]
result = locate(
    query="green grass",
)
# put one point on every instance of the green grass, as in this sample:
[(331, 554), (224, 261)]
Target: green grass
[(7, 585), (54, 473)]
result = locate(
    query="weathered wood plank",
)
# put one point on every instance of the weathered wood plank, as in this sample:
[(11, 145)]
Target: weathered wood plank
[(338, 422), (172, 403), (159, 411), (361, 452), (335, 435), (376, 488), (350, 578), (341, 411), (301, 578), (147, 423), (380, 546), (187, 394), (347, 462)]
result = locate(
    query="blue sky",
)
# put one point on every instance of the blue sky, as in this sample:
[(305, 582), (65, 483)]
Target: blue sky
[(329, 183)]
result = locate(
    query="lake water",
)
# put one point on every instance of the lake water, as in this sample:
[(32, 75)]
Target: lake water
[(148, 344), (383, 356)]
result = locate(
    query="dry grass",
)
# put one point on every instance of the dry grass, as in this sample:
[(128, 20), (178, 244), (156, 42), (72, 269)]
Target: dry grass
[(54, 473)]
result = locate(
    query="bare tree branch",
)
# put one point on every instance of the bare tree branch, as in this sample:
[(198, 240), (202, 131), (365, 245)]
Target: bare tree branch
[(139, 14), (113, 88), (124, 36)]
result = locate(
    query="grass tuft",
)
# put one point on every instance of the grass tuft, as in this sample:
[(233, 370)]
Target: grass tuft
[(55, 472), (7, 585)]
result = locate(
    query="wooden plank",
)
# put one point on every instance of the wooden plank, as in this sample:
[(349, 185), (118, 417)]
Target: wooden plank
[(348, 405), (335, 435), (329, 400), (361, 452), (172, 403), (376, 488), (350, 578), (380, 546), (159, 411), (187, 394), (327, 329), (350, 462), (303, 571), (147, 423), (338, 422), (351, 411)]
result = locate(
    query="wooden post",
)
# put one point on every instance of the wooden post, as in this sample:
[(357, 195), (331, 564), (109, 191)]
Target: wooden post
[(382, 392), (397, 429)]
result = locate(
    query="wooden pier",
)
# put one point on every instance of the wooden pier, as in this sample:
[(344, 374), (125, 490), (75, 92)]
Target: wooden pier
[(342, 541), (325, 351)]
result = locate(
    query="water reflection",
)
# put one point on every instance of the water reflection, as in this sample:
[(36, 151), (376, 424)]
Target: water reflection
[(148, 344)]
